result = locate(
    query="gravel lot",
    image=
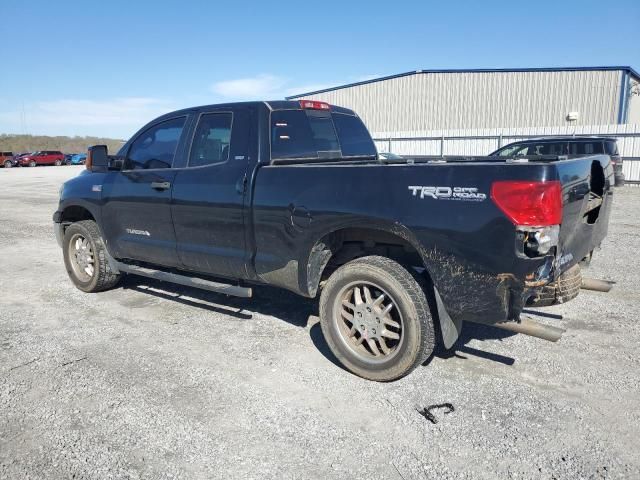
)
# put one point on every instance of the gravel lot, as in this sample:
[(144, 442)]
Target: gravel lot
[(152, 380)]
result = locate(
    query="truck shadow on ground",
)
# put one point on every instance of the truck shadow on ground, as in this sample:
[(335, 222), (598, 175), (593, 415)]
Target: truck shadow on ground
[(298, 311)]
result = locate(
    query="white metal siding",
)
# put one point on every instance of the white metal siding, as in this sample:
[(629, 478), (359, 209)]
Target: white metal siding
[(429, 101), (461, 142)]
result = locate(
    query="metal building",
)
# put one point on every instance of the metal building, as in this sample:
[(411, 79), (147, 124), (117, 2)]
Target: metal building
[(428, 100)]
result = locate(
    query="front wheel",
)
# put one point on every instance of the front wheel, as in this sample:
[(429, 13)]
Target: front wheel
[(85, 258), (8, 164), (58, 163), (375, 318), (32, 163)]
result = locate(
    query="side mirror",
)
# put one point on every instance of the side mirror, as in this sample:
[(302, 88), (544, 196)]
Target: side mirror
[(97, 158)]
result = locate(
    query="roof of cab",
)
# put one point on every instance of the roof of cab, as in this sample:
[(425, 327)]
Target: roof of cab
[(269, 104)]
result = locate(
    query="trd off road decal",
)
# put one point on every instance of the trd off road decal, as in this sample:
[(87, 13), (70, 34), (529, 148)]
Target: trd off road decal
[(468, 194)]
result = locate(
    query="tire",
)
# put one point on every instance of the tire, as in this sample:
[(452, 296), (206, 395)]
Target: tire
[(410, 312), (8, 164), (101, 278), (58, 163), (32, 163)]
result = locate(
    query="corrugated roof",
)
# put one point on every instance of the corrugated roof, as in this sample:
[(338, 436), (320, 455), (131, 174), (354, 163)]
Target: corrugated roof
[(627, 69)]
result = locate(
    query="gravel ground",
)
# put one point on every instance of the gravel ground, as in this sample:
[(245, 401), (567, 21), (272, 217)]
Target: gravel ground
[(157, 381)]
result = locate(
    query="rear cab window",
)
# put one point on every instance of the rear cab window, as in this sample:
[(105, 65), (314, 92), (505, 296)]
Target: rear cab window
[(319, 134)]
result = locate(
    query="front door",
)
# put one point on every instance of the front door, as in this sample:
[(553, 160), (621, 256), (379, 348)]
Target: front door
[(136, 211), (209, 195)]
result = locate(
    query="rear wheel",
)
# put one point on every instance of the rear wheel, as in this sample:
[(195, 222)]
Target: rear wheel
[(58, 163), (376, 319), (85, 258), (8, 164)]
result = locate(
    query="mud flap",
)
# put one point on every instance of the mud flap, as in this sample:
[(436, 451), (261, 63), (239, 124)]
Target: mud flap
[(450, 328)]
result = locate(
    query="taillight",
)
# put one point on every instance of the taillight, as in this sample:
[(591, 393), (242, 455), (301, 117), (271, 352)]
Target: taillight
[(529, 203), (314, 105)]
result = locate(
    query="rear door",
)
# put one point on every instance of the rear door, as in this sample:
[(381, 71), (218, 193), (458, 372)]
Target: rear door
[(136, 211), (209, 195)]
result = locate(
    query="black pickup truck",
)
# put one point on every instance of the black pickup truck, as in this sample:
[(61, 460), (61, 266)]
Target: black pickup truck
[(294, 195)]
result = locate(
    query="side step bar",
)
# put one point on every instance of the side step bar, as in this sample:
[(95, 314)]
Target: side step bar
[(188, 281)]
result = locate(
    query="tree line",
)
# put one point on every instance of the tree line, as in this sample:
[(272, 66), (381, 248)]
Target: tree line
[(31, 143)]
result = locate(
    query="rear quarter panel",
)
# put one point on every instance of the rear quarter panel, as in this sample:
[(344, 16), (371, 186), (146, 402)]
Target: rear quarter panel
[(467, 246)]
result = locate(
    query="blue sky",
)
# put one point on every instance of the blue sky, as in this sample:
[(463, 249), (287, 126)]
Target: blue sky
[(107, 67)]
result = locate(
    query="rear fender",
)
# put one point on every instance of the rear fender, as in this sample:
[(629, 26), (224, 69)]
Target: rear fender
[(321, 253)]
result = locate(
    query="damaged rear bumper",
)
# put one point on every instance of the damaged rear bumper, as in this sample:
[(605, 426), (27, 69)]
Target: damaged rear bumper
[(565, 288)]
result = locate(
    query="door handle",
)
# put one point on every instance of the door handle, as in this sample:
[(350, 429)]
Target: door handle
[(160, 185)]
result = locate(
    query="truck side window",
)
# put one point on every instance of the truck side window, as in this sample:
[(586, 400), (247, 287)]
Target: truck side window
[(586, 148), (549, 148), (507, 151), (212, 140), (155, 147)]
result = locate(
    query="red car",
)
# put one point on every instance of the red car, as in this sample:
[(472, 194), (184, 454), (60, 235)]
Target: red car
[(44, 157), (6, 159)]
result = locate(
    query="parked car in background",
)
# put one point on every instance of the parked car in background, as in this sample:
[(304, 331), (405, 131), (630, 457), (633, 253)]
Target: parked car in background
[(578, 146), (43, 157), (7, 159), (78, 159), (67, 158)]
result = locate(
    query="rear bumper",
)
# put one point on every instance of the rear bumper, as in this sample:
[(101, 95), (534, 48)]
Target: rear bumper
[(564, 289)]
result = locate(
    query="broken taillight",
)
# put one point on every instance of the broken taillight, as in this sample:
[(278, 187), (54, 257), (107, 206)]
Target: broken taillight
[(529, 203)]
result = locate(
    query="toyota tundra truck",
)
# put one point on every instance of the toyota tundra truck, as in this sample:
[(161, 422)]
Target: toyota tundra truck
[(294, 195)]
